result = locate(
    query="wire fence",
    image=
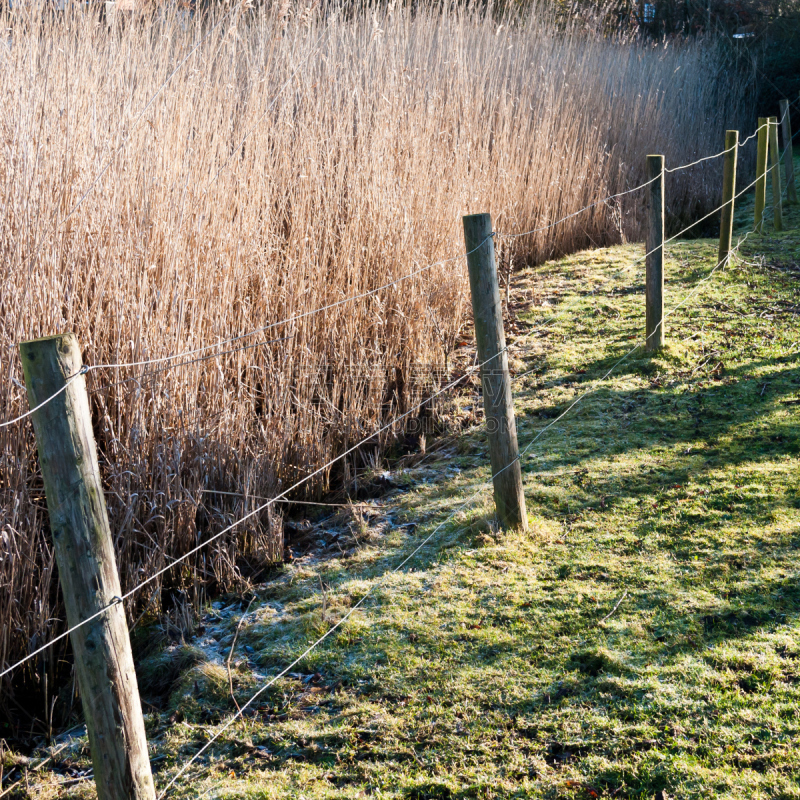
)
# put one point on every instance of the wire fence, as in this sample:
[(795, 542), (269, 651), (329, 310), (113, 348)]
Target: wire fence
[(256, 511), (284, 495), (219, 349), (488, 483)]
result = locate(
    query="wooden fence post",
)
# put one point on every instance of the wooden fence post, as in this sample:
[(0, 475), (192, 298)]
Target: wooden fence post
[(761, 172), (87, 568), (654, 273), (788, 162), (728, 193), (775, 169), (497, 400)]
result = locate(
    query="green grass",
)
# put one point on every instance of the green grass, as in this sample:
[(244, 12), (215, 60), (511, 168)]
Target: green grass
[(487, 667)]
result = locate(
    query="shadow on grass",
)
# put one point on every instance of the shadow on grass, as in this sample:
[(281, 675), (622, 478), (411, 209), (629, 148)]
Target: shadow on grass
[(673, 415)]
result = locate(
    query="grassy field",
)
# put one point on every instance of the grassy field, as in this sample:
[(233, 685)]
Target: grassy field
[(237, 189), (641, 641)]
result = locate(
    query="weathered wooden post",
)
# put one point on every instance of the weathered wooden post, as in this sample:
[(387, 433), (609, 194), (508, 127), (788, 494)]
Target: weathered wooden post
[(497, 401), (761, 172), (87, 568), (728, 193), (654, 273), (788, 162), (777, 200)]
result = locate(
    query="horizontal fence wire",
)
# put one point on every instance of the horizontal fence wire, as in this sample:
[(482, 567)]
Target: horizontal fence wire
[(240, 711), (763, 125), (52, 397), (152, 373), (700, 160), (575, 213), (353, 298), (293, 318), (163, 359)]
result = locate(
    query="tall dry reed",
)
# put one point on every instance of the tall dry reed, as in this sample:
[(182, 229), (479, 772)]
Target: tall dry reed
[(294, 158)]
